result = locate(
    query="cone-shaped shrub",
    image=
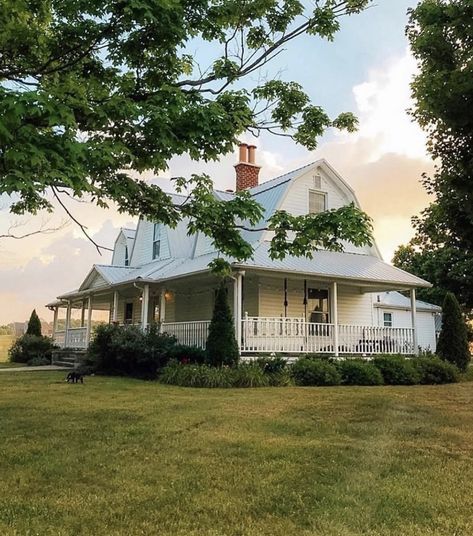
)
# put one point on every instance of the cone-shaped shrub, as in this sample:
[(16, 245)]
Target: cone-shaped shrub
[(452, 345), (34, 325), (222, 347)]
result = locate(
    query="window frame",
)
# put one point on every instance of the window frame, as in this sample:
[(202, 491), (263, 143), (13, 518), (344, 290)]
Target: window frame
[(318, 192), (387, 323), (156, 240)]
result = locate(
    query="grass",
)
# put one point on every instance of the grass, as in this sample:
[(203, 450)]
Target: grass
[(5, 342), (123, 457)]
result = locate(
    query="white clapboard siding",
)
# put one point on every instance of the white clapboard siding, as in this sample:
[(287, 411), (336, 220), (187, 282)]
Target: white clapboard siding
[(401, 318), (143, 249), (355, 307), (118, 258)]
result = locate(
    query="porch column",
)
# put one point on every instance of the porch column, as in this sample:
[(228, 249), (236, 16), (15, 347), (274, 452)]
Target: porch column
[(239, 307), (162, 306), (56, 309), (334, 316), (82, 315), (115, 307), (89, 321), (414, 321), (68, 324), (145, 307), (236, 320)]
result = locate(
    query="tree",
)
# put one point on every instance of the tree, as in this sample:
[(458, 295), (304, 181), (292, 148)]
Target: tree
[(222, 347), (453, 340), (93, 92), (442, 249), (34, 325)]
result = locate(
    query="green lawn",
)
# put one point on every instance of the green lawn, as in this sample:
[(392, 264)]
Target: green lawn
[(124, 457)]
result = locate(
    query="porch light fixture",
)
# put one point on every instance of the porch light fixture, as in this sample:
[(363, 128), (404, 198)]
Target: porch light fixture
[(167, 295)]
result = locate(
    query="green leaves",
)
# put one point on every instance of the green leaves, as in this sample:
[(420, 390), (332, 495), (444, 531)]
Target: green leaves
[(92, 91)]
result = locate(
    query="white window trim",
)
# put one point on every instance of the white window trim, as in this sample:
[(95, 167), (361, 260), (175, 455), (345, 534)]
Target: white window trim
[(309, 190), (391, 322), (155, 240)]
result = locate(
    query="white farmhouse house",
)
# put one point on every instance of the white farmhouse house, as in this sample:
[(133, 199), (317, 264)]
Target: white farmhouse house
[(340, 303)]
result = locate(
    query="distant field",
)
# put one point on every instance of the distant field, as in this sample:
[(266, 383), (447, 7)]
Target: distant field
[(120, 457), (5, 343)]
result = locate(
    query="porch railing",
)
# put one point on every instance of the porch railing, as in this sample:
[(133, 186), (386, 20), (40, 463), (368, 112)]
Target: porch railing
[(296, 335), (375, 340), (72, 338), (276, 334), (188, 333)]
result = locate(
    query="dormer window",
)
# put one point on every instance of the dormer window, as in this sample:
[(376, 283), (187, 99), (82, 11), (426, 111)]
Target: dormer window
[(127, 260), (317, 202), (156, 240)]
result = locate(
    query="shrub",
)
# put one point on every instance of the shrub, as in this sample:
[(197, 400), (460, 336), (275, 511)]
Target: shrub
[(452, 345), (315, 372), (127, 350), (433, 371), (39, 362), (271, 365), (187, 354), (358, 372), (34, 325), (222, 347), (29, 347), (397, 370), (244, 375)]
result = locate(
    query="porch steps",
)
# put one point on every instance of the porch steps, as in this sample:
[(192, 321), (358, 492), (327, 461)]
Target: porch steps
[(67, 357)]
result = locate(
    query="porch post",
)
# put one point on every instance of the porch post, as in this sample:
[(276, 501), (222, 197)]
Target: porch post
[(68, 323), (235, 304), (115, 307), (239, 307), (414, 321), (82, 315), (162, 306), (89, 321), (334, 316), (56, 309), (144, 307)]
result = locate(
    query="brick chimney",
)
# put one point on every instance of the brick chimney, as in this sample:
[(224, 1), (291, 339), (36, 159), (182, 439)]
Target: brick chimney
[(246, 170)]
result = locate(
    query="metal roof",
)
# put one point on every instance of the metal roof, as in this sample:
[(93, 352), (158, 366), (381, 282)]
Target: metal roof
[(336, 265), (393, 299)]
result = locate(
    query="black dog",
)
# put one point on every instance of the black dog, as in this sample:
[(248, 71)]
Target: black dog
[(74, 377)]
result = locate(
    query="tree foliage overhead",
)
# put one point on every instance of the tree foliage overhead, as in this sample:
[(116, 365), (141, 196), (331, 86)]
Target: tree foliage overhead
[(94, 91), (441, 37)]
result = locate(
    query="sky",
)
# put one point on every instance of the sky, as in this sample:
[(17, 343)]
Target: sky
[(366, 69)]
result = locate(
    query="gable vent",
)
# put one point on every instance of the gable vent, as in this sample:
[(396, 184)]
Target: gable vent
[(317, 182)]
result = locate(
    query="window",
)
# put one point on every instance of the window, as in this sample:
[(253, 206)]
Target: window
[(316, 202), (156, 240), (127, 260), (388, 320), (129, 313)]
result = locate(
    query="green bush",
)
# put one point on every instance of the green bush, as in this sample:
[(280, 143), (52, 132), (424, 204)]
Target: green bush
[(271, 365), (315, 372), (128, 351), (434, 371), (244, 375), (39, 362), (359, 372), (29, 347), (34, 324), (453, 345), (188, 354), (397, 370), (222, 347)]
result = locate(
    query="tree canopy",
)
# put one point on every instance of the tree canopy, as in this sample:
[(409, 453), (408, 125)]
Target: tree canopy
[(441, 37), (34, 324), (94, 92)]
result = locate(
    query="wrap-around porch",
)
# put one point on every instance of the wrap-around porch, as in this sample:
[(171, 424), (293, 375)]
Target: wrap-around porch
[(290, 315)]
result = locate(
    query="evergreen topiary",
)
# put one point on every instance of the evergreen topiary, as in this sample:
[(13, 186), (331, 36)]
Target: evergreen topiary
[(34, 325), (222, 347), (453, 340)]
